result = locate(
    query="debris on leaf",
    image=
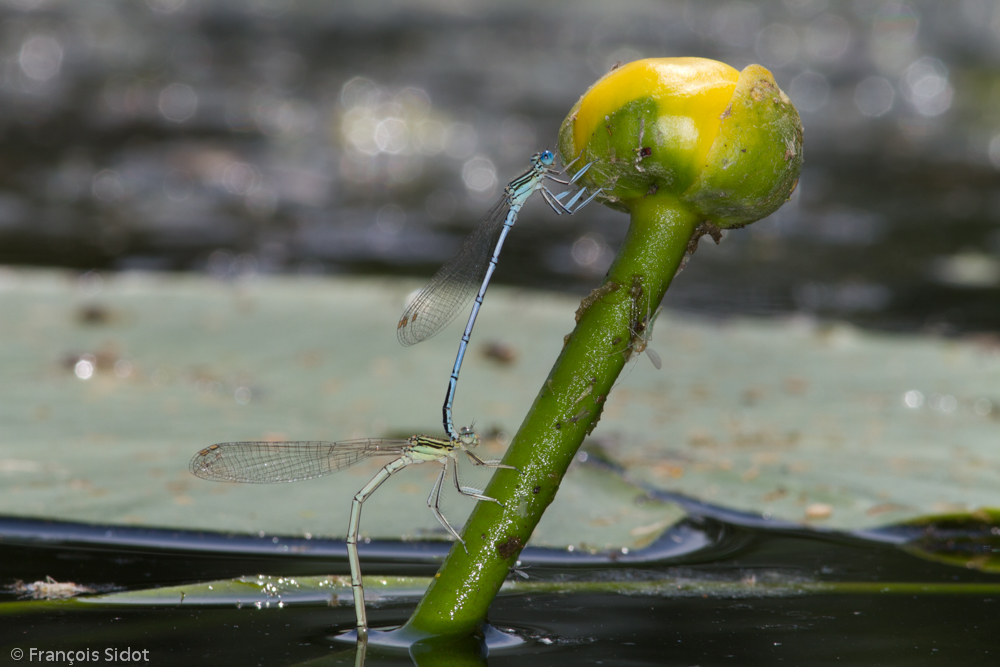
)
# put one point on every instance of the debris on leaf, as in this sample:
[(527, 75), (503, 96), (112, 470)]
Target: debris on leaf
[(50, 589)]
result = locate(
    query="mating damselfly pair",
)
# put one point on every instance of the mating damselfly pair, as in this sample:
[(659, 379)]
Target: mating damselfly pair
[(467, 274)]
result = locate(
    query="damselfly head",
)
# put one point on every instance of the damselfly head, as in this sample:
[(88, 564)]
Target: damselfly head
[(468, 437)]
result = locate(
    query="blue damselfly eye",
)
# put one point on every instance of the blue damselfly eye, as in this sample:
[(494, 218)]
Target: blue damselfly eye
[(547, 158)]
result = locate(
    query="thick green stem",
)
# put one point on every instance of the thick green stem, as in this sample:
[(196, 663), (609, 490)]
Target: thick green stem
[(566, 410)]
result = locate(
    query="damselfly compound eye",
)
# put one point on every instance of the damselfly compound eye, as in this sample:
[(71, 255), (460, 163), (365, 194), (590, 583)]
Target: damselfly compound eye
[(466, 275), (468, 437)]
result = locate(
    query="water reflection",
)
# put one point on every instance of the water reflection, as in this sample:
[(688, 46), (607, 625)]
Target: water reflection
[(40, 57), (809, 91), (874, 96), (357, 138), (178, 102), (926, 86), (777, 45)]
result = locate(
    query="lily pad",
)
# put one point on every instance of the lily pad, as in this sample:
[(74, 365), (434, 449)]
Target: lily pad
[(821, 424), (111, 384)]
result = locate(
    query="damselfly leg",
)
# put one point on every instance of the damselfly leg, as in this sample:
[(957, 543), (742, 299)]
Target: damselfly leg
[(271, 462), (470, 271)]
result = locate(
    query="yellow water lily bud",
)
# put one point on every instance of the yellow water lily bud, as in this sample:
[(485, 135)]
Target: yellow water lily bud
[(725, 144)]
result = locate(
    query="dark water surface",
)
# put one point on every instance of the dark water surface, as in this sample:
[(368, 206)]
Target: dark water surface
[(708, 592)]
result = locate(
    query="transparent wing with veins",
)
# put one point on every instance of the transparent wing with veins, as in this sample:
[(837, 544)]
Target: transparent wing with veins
[(270, 462), (455, 283)]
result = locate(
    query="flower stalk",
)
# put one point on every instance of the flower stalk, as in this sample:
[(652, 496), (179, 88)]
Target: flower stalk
[(685, 146)]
